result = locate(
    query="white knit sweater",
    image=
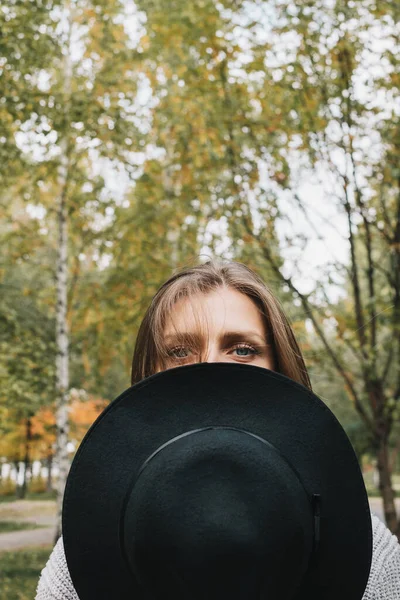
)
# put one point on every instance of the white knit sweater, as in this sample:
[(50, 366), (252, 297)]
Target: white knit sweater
[(383, 583)]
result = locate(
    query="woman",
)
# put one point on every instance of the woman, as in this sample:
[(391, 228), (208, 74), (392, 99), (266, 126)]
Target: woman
[(223, 312)]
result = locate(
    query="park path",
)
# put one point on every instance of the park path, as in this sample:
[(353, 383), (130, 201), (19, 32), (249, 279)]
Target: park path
[(17, 540), (40, 512), (43, 513)]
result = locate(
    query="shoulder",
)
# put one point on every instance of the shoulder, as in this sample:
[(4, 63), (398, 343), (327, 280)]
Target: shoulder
[(55, 581), (384, 577)]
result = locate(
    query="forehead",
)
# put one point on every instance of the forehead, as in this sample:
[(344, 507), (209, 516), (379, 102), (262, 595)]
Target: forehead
[(219, 310)]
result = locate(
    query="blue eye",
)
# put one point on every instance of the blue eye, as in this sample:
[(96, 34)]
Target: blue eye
[(240, 351), (248, 350)]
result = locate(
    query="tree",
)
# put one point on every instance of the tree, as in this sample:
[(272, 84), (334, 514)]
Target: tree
[(272, 94), (78, 113), (210, 121), (331, 124), (27, 373)]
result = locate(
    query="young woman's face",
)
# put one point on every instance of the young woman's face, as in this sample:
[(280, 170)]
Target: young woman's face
[(231, 330)]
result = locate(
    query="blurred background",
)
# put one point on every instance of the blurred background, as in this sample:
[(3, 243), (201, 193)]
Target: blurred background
[(139, 137)]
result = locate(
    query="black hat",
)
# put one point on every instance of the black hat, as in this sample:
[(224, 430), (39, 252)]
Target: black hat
[(217, 481)]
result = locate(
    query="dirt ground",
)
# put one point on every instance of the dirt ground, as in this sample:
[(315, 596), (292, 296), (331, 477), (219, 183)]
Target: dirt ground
[(40, 512), (43, 512)]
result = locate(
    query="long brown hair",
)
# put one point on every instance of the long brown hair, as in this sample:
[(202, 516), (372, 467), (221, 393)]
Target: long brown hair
[(150, 354)]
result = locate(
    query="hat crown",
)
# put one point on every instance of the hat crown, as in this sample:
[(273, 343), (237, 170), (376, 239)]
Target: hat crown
[(160, 408), (231, 512)]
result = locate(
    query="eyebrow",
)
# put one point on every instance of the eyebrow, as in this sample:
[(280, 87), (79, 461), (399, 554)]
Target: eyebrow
[(228, 337)]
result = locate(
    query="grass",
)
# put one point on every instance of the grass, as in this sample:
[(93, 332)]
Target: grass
[(6, 526), (20, 571), (29, 496)]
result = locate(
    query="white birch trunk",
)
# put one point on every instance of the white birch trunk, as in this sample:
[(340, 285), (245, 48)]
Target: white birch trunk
[(62, 334)]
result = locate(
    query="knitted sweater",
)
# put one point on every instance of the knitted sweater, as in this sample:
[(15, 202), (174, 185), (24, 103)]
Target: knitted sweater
[(383, 583)]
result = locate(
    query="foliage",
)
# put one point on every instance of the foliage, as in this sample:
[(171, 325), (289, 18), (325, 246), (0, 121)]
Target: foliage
[(8, 488), (202, 129), (26, 343), (82, 415)]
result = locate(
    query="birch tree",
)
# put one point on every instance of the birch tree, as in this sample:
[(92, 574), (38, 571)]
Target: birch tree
[(78, 130), (62, 335)]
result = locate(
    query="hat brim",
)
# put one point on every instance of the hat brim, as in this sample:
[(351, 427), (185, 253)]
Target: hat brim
[(178, 400)]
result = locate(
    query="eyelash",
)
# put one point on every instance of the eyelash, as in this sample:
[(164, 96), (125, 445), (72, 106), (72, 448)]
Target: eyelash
[(255, 351)]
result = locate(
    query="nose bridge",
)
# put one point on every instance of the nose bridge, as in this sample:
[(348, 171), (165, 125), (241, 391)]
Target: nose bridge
[(211, 352)]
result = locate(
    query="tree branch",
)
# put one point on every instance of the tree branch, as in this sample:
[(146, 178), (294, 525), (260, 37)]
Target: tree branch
[(310, 312), (355, 277)]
